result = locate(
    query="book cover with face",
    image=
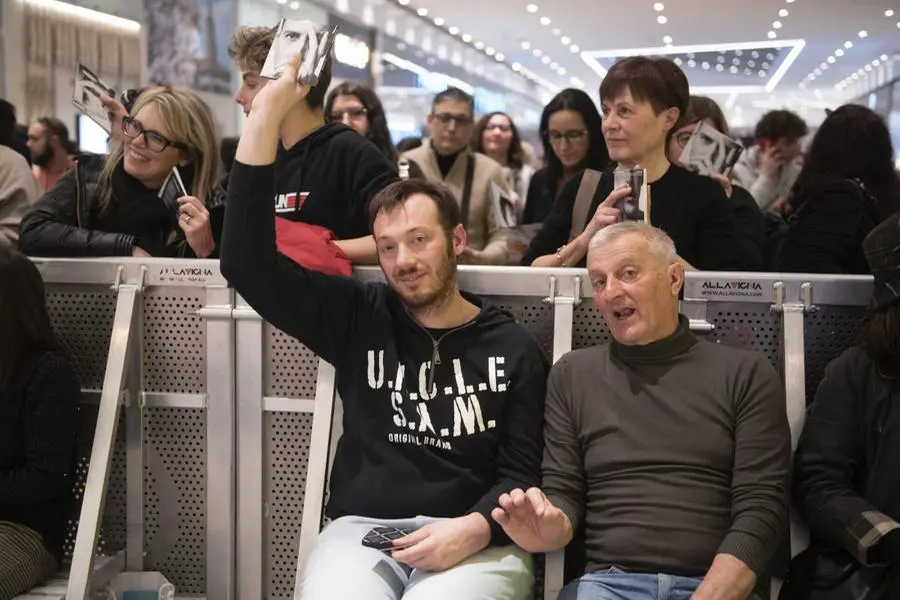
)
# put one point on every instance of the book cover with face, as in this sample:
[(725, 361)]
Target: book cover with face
[(299, 37), (635, 206), (710, 151), (88, 90)]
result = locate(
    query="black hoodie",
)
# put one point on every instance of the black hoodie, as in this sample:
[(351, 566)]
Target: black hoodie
[(436, 423), (328, 179)]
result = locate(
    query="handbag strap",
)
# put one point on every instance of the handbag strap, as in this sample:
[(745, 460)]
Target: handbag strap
[(467, 188), (586, 190)]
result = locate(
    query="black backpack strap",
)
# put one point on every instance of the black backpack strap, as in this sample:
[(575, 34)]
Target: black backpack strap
[(467, 188)]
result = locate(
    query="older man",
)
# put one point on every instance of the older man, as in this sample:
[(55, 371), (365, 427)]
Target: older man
[(669, 453)]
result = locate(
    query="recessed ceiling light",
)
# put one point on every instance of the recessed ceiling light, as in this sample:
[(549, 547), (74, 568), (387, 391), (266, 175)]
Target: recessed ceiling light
[(659, 7), (789, 1), (466, 38), (868, 67), (720, 68), (282, 1), (438, 21), (295, 5), (705, 66), (733, 70), (863, 34), (561, 71), (772, 35), (838, 52), (453, 30), (898, 23), (554, 66), (545, 20), (574, 49), (526, 45), (537, 52), (831, 60), (667, 39), (776, 24), (662, 20), (876, 62), (565, 40), (479, 45), (490, 51), (422, 12), (848, 44), (516, 67), (783, 12), (532, 8), (889, 13), (555, 31), (500, 56), (884, 57), (545, 60)]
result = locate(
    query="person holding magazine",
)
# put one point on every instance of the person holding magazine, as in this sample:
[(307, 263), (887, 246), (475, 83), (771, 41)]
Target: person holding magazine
[(642, 100), (113, 205), (749, 220)]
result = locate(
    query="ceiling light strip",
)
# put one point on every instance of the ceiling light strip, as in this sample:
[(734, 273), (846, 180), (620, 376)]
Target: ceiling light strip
[(71, 10)]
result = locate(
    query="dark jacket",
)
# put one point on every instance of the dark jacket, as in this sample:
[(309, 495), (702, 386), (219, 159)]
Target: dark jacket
[(38, 425), (845, 471), (831, 220), (67, 220)]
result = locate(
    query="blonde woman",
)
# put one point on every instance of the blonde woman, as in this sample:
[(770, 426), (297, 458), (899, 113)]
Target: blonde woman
[(111, 206)]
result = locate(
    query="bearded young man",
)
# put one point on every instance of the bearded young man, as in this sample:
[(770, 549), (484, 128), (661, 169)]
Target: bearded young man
[(443, 393)]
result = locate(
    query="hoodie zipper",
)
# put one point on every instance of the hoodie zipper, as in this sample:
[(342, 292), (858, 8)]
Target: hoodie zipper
[(435, 344)]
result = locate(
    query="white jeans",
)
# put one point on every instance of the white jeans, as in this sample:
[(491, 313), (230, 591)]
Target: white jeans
[(341, 568)]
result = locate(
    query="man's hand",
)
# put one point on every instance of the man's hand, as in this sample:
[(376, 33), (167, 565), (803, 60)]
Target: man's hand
[(532, 522), (138, 252), (194, 221), (473, 257), (770, 162), (445, 544), (278, 97), (727, 579)]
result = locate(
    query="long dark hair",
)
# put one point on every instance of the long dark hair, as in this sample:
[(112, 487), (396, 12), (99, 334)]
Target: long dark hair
[(597, 155), (852, 142), (379, 134), (23, 315), (881, 338), (516, 154)]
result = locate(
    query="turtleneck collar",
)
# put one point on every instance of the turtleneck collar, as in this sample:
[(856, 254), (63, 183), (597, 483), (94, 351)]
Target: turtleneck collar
[(659, 351)]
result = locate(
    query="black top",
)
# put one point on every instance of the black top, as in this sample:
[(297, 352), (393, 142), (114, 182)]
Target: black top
[(845, 467), (38, 426), (68, 220), (828, 228), (437, 426), (541, 194), (692, 209), (328, 178), (750, 224)]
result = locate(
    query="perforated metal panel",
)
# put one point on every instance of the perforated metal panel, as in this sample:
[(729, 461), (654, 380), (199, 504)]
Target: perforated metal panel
[(748, 326), (290, 367), (175, 496), (112, 528), (82, 318), (828, 332), (533, 315), (588, 327), (286, 437), (174, 341)]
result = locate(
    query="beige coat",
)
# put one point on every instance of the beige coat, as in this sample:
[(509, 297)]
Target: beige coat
[(481, 229), (18, 191)]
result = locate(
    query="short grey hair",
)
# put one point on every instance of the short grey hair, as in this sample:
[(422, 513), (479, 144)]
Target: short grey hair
[(661, 245)]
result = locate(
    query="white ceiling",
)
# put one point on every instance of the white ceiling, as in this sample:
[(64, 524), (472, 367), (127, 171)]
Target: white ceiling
[(823, 26)]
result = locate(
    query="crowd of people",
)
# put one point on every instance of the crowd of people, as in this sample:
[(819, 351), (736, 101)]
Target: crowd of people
[(662, 461)]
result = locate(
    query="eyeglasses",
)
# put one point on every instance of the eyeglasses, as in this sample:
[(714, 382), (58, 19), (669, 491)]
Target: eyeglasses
[(447, 118), (154, 140), (573, 137), (350, 113)]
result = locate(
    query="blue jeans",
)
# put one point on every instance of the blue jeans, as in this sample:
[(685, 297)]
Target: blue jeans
[(616, 584), (341, 568)]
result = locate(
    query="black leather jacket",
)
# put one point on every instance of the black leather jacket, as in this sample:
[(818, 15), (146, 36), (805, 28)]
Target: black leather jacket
[(63, 221)]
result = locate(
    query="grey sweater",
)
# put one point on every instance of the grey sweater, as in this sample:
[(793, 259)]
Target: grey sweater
[(668, 454)]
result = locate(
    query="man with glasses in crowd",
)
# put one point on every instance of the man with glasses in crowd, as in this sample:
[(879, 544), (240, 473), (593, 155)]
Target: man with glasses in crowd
[(469, 175)]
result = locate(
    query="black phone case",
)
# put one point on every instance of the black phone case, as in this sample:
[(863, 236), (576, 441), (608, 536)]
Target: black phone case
[(382, 538)]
